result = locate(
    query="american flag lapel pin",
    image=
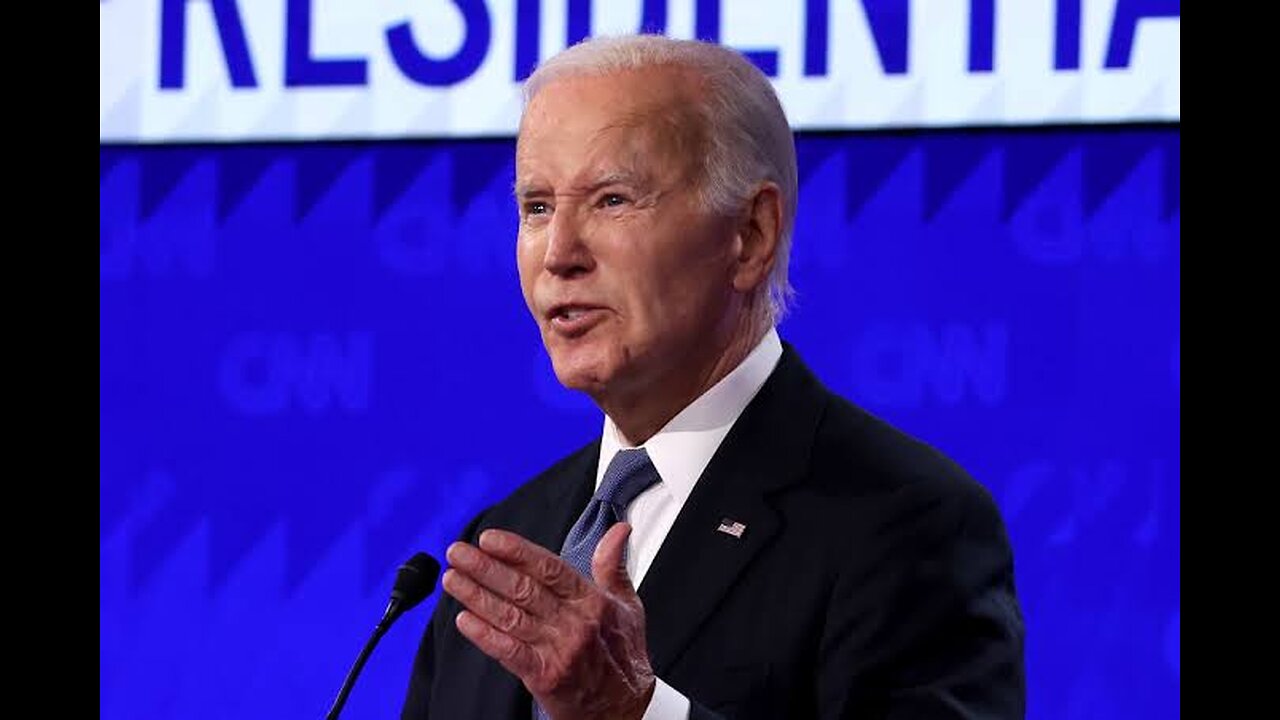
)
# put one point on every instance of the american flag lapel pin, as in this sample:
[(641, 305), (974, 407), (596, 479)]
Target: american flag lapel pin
[(731, 527)]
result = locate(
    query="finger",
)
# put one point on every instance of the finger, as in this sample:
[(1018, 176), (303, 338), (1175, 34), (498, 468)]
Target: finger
[(609, 563), (539, 563), (517, 657), (507, 582), (501, 614)]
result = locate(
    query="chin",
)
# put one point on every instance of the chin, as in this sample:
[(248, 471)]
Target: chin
[(582, 368)]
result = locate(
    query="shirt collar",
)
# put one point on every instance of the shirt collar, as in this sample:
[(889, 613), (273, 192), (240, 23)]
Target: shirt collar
[(681, 450)]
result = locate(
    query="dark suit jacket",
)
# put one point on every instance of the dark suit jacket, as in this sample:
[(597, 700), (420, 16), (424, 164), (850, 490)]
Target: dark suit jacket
[(874, 578)]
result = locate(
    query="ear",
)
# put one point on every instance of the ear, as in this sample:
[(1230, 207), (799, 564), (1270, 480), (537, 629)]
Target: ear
[(759, 233)]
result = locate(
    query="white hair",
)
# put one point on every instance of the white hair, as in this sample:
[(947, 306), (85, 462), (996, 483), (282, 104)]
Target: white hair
[(747, 134)]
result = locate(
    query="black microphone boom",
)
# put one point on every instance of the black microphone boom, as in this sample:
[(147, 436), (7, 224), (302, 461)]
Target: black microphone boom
[(415, 580)]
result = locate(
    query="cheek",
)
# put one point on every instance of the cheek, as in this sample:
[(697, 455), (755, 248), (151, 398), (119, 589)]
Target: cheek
[(664, 278), (525, 242), (694, 301), (660, 300), (684, 281), (528, 263)]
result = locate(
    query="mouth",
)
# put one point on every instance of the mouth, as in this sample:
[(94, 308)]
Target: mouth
[(573, 319)]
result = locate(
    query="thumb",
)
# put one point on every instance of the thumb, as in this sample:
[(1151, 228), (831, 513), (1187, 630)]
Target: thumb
[(609, 563)]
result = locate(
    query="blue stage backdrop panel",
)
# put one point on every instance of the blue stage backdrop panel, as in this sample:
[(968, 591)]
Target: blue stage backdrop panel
[(315, 361)]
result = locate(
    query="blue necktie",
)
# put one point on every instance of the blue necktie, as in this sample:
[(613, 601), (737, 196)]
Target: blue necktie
[(630, 473)]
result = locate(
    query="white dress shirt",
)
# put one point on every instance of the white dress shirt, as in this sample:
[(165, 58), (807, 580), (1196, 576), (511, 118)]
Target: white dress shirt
[(680, 452)]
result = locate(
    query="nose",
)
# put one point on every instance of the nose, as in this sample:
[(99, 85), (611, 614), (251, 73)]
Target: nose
[(568, 254)]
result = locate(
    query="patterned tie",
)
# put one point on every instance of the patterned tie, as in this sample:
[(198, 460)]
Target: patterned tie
[(630, 473)]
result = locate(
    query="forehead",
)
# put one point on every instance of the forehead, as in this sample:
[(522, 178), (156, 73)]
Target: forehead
[(627, 116)]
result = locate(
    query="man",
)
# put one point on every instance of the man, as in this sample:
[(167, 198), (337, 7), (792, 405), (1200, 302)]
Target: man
[(795, 557)]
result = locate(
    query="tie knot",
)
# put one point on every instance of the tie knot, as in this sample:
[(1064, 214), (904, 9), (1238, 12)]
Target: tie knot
[(630, 473)]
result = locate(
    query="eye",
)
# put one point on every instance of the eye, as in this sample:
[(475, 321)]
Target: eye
[(612, 200), (536, 207)]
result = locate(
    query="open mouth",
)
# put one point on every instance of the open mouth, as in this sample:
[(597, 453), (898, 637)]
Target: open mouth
[(574, 320)]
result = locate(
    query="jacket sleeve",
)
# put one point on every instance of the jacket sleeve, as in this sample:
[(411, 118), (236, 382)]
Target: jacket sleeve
[(944, 636), (416, 706)]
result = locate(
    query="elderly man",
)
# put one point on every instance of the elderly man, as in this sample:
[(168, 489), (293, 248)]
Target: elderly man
[(795, 556)]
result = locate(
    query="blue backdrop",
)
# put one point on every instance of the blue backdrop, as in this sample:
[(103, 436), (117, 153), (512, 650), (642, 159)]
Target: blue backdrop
[(315, 361)]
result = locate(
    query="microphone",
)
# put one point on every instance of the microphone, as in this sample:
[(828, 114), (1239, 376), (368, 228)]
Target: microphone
[(415, 580)]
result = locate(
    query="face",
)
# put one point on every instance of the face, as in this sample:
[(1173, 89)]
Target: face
[(626, 274)]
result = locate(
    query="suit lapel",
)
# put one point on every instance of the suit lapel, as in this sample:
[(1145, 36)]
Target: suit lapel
[(767, 449), (572, 487)]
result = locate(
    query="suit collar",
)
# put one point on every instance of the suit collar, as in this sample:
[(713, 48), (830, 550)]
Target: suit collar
[(681, 450)]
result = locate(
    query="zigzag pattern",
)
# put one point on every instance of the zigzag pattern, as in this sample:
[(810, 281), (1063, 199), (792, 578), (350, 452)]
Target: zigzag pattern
[(950, 161), (307, 374)]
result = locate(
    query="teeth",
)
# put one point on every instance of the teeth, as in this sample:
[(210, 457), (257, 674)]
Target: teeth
[(570, 314)]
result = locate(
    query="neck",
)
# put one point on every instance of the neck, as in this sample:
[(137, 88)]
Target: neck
[(640, 415)]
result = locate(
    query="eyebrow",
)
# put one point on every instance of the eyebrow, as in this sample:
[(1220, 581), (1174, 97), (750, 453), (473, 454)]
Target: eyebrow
[(620, 177), (525, 190)]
